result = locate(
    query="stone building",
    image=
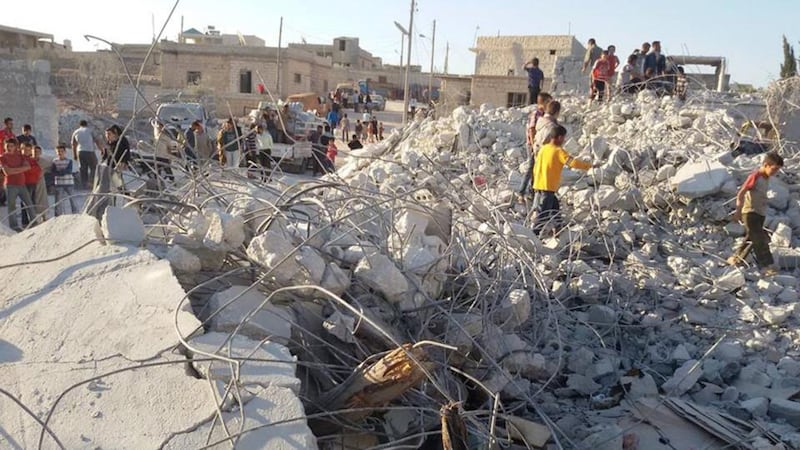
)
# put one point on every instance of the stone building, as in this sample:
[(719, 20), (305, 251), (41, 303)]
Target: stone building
[(499, 76), (344, 52)]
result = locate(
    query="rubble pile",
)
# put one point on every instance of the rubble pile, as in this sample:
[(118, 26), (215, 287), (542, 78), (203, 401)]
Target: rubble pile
[(405, 300)]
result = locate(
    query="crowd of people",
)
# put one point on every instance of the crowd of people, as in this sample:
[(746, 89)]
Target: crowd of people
[(645, 68)]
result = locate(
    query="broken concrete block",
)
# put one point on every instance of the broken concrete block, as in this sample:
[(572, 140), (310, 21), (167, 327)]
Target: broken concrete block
[(782, 236), (776, 315), (272, 364), (789, 366), (785, 410), (275, 419), (224, 232), (582, 384), (263, 322), (123, 225), (643, 386), (730, 280), (683, 379), (700, 178), (601, 315), (729, 351), (341, 326), (378, 272), (758, 406), (515, 309), (580, 361), (778, 196), (183, 260), (335, 279)]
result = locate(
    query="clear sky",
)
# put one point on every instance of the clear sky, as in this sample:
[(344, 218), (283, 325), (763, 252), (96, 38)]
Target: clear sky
[(747, 32)]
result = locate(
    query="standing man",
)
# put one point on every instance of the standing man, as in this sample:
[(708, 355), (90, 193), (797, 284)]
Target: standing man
[(6, 133), (14, 165), (592, 54), (641, 56), (83, 145), (198, 142), (535, 79), (228, 145), (655, 60), (26, 137), (345, 127)]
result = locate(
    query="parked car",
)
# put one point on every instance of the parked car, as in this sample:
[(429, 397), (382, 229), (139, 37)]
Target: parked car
[(378, 102)]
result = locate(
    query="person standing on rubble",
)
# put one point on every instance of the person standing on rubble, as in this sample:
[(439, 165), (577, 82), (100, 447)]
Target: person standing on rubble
[(592, 54), (116, 157), (601, 72), (228, 145), (535, 80), (83, 151), (547, 179), (655, 60), (541, 102), (751, 208), (641, 55)]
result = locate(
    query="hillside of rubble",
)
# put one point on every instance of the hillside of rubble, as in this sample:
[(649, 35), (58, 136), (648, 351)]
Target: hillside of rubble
[(405, 300)]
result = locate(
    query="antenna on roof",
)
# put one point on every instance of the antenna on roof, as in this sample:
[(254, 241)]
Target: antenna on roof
[(303, 40)]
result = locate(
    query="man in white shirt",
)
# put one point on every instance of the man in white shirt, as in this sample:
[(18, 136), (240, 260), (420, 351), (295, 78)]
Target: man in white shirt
[(83, 145)]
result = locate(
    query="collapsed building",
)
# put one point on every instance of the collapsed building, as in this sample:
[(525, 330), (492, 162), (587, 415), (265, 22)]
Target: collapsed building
[(404, 301)]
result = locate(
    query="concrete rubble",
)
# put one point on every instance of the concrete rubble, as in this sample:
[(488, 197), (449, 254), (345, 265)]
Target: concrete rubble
[(293, 289)]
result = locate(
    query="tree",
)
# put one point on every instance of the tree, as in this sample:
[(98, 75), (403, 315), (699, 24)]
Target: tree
[(789, 66)]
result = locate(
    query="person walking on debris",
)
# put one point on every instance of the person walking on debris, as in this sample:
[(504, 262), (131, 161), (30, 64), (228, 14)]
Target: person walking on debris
[(64, 181), (331, 153), (14, 165), (83, 151), (359, 129), (541, 101), (535, 79), (116, 157), (380, 131), (751, 208), (547, 178), (165, 146)]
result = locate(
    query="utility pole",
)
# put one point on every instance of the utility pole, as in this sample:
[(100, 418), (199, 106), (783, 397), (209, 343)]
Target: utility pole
[(446, 56), (430, 78), (280, 36), (402, 45), (408, 63)]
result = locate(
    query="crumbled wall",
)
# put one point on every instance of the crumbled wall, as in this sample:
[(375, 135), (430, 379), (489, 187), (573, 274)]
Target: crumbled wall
[(25, 96)]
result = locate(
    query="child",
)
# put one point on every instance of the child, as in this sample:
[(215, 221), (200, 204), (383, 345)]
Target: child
[(751, 205), (601, 72), (629, 76), (547, 177), (541, 101), (14, 166), (64, 180), (681, 84), (380, 131), (32, 177), (332, 151), (40, 195)]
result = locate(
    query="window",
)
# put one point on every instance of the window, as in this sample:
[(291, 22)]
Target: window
[(298, 78), (342, 45), (382, 79), (552, 52), (517, 99), (193, 78), (245, 82)]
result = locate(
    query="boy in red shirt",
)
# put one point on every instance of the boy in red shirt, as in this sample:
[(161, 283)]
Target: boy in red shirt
[(601, 72), (751, 208), (14, 165), (32, 177)]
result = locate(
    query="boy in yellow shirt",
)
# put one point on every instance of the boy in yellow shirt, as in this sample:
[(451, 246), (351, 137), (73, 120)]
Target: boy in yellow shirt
[(547, 178)]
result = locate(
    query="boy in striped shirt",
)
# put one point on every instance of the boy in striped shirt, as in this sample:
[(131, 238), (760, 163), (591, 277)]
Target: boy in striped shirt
[(64, 180)]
